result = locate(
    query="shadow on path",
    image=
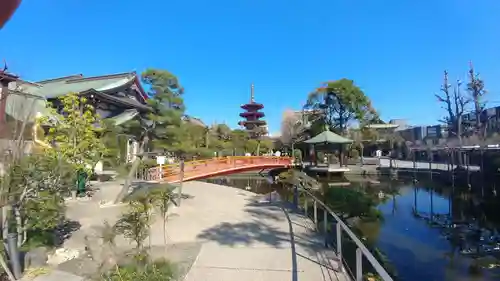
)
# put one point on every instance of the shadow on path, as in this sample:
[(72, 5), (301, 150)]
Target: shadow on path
[(279, 226)]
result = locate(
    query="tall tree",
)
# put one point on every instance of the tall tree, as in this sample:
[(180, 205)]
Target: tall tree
[(167, 107), (162, 125), (455, 105), (477, 93), (341, 102)]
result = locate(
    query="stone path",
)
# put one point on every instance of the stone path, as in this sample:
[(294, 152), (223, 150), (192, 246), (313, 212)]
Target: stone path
[(246, 240)]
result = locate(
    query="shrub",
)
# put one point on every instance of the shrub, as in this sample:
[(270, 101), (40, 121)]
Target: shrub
[(354, 153), (160, 270), (297, 154)]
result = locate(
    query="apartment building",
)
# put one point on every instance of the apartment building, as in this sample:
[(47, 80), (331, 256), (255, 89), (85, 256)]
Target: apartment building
[(490, 116)]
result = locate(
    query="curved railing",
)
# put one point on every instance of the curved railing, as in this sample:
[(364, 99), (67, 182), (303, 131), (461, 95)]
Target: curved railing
[(208, 167), (340, 228)]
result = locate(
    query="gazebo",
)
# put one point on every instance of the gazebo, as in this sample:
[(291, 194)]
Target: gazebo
[(328, 138)]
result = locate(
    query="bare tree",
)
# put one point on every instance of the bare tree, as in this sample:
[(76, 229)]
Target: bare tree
[(477, 92), (455, 105), (290, 125)]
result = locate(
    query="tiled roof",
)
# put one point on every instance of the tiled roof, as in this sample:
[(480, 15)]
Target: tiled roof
[(31, 96), (57, 87)]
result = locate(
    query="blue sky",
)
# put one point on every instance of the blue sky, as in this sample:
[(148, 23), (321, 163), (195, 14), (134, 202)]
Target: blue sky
[(396, 51)]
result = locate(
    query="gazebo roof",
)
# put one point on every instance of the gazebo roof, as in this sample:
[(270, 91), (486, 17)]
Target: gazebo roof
[(328, 137)]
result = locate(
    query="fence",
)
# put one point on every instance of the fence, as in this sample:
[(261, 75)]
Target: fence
[(341, 230)]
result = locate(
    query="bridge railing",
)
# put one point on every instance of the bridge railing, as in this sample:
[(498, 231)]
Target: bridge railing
[(214, 165), (342, 230)]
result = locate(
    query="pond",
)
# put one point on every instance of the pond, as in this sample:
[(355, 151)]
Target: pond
[(427, 231)]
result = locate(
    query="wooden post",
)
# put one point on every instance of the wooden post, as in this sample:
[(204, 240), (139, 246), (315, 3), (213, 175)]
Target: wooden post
[(181, 179)]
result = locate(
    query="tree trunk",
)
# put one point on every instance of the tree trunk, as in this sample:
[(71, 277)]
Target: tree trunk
[(131, 173), (6, 268), (165, 231), (19, 226), (5, 221)]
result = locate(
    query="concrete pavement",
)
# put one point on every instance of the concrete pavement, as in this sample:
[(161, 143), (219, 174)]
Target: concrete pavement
[(236, 238), (246, 240)]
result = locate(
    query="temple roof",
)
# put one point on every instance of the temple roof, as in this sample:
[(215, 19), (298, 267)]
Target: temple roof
[(57, 87), (31, 96)]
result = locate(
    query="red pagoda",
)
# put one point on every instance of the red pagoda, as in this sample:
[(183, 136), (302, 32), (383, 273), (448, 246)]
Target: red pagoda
[(252, 115)]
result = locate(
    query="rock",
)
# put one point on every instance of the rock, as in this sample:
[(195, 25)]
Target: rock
[(37, 257), (62, 255)]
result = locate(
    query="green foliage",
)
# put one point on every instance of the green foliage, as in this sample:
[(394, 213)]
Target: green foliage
[(160, 270), (167, 106), (297, 155), (44, 212), (251, 146), (354, 153), (134, 224), (239, 140), (75, 132), (349, 203), (342, 102), (161, 198), (115, 140)]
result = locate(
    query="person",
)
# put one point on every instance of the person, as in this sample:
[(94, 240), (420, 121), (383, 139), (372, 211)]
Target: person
[(7, 9), (378, 153)]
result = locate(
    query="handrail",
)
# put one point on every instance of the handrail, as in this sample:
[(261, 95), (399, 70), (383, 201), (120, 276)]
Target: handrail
[(361, 248)]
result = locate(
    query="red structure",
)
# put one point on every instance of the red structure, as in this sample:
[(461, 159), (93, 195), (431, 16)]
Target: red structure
[(201, 169), (7, 8), (252, 114)]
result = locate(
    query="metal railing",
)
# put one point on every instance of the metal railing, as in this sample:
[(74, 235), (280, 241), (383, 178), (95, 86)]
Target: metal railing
[(341, 227)]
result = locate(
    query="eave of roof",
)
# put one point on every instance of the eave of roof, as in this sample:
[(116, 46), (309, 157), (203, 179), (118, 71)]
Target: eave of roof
[(124, 101)]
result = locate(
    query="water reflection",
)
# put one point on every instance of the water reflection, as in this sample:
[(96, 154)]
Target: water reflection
[(428, 232)]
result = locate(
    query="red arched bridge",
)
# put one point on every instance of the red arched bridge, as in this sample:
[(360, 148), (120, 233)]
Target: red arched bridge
[(200, 169)]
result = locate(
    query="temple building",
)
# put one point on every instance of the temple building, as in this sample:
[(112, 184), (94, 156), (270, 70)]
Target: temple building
[(253, 123), (119, 97)]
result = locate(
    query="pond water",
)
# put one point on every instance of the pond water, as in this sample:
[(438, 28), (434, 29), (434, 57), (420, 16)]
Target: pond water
[(428, 232)]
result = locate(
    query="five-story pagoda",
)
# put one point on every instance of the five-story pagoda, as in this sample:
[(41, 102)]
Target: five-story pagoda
[(252, 115)]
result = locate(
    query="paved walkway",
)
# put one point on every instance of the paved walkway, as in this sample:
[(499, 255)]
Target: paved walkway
[(403, 164), (245, 240)]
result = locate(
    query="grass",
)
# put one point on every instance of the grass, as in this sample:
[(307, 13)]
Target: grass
[(160, 270)]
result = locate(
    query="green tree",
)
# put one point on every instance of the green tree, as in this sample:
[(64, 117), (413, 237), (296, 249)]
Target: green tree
[(75, 132), (115, 140), (162, 125), (341, 102), (239, 138), (134, 224), (167, 108), (266, 145), (162, 199), (251, 146)]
